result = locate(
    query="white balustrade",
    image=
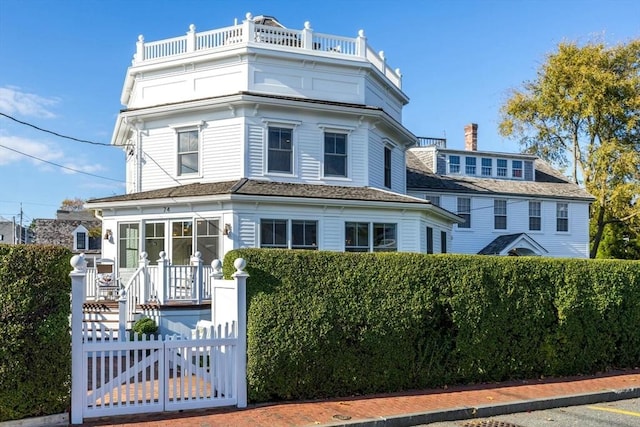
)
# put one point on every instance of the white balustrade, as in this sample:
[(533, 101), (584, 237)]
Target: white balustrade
[(267, 37)]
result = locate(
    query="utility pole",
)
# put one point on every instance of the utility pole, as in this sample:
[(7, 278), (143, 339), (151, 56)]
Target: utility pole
[(22, 240)]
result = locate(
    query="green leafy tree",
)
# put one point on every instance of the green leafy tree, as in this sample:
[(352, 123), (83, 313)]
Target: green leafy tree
[(619, 242), (583, 111)]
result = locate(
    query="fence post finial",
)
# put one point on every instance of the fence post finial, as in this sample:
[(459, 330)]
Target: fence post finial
[(216, 266)]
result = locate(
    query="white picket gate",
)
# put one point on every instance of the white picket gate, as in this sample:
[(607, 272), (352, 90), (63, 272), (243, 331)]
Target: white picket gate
[(115, 376)]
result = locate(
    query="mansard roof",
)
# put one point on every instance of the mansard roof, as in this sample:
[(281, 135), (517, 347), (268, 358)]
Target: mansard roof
[(548, 182)]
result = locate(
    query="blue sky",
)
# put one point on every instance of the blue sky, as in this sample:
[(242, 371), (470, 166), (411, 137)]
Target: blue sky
[(62, 67)]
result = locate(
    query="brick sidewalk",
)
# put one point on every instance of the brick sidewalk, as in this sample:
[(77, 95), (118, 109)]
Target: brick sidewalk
[(370, 408)]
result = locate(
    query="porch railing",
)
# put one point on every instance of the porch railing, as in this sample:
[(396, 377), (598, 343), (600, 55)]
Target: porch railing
[(268, 37), (162, 284)]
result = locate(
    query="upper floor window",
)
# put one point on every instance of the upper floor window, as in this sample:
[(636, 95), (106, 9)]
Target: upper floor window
[(387, 167), (443, 242), (501, 167), (500, 214), (562, 217), (454, 164), (280, 150), (516, 169), (335, 154), (464, 211), (535, 220), (435, 200), (487, 167), (188, 152), (470, 165)]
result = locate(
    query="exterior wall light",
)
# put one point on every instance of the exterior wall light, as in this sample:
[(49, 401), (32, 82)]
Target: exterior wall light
[(227, 229), (108, 234)]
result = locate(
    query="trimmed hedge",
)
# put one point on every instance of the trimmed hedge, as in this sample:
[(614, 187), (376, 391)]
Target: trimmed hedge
[(367, 323), (35, 344)]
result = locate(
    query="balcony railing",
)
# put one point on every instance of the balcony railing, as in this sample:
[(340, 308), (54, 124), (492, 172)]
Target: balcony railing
[(248, 33), (431, 142)]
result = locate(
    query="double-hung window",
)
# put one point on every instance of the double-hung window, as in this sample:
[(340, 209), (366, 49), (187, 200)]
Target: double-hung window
[(470, 165), (464, 211), (188, 152), (487, 167), (516, 169), (335, 154), (535, 220), (280, 150), (81, 241), (501, 167), (562, 217), (500, 214), (454, 164), (443, 242)]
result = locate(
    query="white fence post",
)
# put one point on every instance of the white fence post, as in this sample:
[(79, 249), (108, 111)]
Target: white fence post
[(248, 27), (241, 363), (139, 57), (307, 36), (361, 45), (78, 277), (123, 314), (163, 263), (196, 261), (191, 38), (144, 293)]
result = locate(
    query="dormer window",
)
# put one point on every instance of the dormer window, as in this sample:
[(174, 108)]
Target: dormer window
[(80, 239), (470, 165), (501, 170), (454, 164), (516, 169), (487, 167)]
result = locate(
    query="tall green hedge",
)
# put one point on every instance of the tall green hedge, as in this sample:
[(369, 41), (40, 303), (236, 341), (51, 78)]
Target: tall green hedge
[(35, 345), (333, 324)]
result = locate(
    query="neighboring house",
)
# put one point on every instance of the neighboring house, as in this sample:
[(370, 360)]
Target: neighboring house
[(256, 135), (13, 233), (513, 204), (81, 232)]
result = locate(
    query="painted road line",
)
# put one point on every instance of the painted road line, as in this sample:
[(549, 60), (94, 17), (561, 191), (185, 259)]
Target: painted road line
[(616, 411)]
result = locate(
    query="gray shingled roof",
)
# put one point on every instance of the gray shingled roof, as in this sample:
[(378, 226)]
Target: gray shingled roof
[(251, 187), (498, 244), (548, 182)]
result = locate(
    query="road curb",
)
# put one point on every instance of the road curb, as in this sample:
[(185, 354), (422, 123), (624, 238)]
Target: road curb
[(483, 411)]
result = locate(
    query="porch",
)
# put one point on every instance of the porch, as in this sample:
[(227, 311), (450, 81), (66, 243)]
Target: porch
[(164, 292)]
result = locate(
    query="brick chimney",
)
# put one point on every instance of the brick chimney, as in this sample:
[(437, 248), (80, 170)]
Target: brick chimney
[(471, 137)]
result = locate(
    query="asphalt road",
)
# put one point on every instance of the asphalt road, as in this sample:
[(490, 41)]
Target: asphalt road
[(623, 413)]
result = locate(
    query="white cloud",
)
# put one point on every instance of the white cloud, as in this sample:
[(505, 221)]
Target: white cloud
[(13, 100), (32, 150)]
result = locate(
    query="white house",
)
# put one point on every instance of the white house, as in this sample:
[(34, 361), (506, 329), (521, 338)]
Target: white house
[(256, 135), (511, 203)]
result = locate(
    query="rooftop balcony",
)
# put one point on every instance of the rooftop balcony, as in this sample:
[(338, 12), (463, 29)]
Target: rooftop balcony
[(253, 34)]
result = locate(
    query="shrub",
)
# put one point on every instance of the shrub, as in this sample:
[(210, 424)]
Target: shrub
[(146, 326), (35, 343), (326, 324)]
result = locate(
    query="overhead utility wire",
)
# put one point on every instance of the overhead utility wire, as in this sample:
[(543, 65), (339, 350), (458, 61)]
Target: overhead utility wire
[(55, 133), (60, 166)]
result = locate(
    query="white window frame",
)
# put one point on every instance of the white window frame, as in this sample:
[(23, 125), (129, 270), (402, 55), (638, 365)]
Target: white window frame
[(535, 213), (182, 128), (470, 165), (562, 214), (289, 244), (451, 164), (465, 211), (484, 168), (499, 212), (80, 229), (283, 124), (502, 171), (390, 245), (514, 175)]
